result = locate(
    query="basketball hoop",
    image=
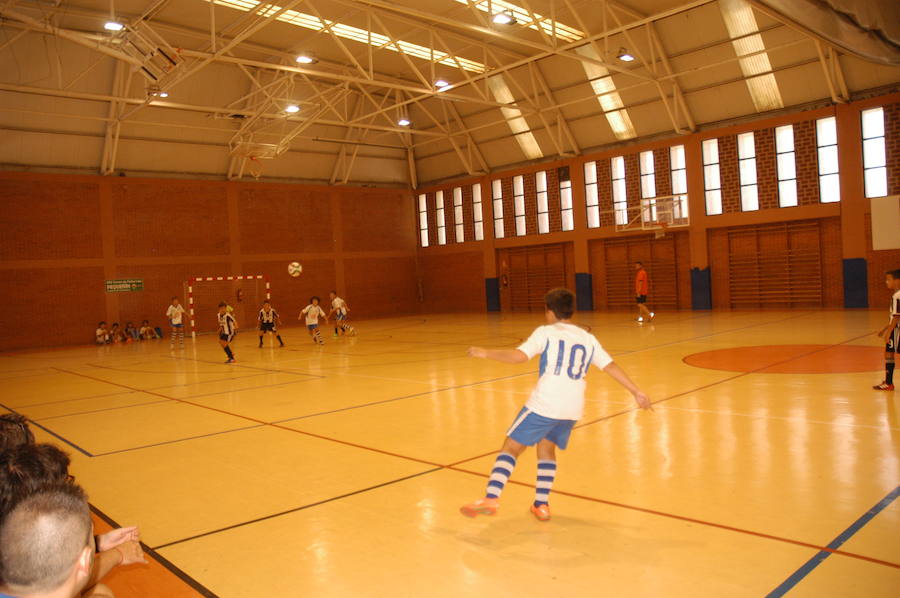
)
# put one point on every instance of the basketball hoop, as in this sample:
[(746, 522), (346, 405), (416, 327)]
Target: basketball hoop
[(254, 167), (662, 230)]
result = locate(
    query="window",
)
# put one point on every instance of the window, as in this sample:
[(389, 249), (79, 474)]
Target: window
[(458, 215), (519, 205), (786, 166), (747, 170), (423, 220), (592, 197), (712, 183), (565, 199), (619, 192), (497, 197), (874, 158), (543, 209), (826, 142), (477, 212), (439, 217), (648, 184), (679, 181)]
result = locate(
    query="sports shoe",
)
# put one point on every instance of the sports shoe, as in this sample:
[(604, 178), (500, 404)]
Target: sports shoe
[(542, 512), (640, 320), (482, 506), (334, 336), (884, 386), (229, 360), (652, 315)]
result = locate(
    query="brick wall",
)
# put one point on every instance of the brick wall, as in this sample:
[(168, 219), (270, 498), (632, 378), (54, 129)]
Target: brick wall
[(663, 169), (452, 282), (728, 173), (892, 146), (604, 187), (633, 185), (807, 163), (62, 236), (766, 171)]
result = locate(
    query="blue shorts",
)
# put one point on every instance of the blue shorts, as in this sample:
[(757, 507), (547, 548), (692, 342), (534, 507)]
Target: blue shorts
[(529, 428), (312, 326), (176, 325), (340, 316)]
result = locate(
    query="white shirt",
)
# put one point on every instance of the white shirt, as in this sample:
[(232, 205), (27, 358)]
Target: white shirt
[(895, 305), (339, 306), (567, 352), (313, 312), (227, 323), (174, 313)]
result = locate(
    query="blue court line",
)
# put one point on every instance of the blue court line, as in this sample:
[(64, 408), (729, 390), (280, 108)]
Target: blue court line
[(807, 568), (51, 432), (135, 448)]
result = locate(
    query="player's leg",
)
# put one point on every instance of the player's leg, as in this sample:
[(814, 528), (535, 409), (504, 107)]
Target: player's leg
[(316, 334), (277, 335), (346, 327), (262, 333), (557, 436), (172, 338), (890, 356), (503, 467)]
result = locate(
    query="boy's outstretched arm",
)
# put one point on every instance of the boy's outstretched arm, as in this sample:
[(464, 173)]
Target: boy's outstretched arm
[(504, 355), (619, 375)]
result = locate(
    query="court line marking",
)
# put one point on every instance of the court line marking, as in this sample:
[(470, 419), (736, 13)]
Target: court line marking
[(807, 568), (172, 568), (782, 418), (49, 431), (296, 509), (454, 468), (723, 526), (176, 440), (110, 394), (99, 410)]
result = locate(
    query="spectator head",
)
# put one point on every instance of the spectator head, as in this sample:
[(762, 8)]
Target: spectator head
[(14, 431), (314, 299), (26, 469), (46, 543), (101, 324), (145, 323)]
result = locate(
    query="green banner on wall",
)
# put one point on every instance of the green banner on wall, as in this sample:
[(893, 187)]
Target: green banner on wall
[(124, 285)]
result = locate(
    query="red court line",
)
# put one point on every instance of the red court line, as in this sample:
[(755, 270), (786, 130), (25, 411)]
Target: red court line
[(698, 521)]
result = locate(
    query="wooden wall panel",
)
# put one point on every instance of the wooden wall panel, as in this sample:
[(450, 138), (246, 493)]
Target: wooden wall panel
[(452, 282), (529, 272), (381, 286), (285, 220)]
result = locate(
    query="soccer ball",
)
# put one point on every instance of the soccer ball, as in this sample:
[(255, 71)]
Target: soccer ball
[(295, 269)]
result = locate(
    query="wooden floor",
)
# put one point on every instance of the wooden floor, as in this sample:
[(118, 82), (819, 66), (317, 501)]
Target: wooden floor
[(339, 471)]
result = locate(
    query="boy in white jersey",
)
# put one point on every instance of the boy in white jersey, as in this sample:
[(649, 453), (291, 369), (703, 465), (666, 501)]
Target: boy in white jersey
[(268, 320), (556, 403), (313, 312), (340, 310), (227, 330), (891, 332), (175, 314)]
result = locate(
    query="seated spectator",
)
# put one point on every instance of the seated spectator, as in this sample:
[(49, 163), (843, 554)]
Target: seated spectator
[(147, 332), (101, 334), (46, 545), (131, 333), (14, 431), (115, 333)]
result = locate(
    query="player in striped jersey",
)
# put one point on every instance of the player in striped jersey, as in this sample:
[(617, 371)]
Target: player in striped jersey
[(227, 330), (268, 318), (313, 312), (340, 310), (891, 332)]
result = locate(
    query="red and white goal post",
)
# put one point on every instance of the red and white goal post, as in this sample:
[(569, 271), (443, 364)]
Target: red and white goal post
[(204, 293)]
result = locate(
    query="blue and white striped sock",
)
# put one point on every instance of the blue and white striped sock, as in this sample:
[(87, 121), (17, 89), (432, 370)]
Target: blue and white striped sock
[(503, 468), (546, 473)]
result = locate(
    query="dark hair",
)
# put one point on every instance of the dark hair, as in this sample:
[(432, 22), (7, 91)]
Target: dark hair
[(42, 538), (267, 301), (26, 469), (335, 292), (639, 262), (222, 304), (145, 322), (316, 297), (173, 298), (14, 431), (893, 273), (561, 302), (115, 324), (101, 323)]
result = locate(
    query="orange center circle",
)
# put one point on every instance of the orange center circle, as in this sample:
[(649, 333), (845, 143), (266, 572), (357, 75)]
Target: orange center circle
[(792, 359)]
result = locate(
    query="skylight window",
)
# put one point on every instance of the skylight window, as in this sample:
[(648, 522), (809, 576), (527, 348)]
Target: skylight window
[(364, 36), (521, 15), (517, 123), (741, 23), (609, 98)]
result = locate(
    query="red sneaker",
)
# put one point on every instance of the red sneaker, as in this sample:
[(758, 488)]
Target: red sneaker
[(482, 506), (884, 386), (542, 512)]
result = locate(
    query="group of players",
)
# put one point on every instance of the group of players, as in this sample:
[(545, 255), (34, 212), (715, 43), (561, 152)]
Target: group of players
[(269, 320)]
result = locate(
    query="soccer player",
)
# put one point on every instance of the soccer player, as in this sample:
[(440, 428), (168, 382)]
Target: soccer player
[(227, 330), (175, 314), (313, 312), (556, 403), (340, 310), (268, 318), (101, 334), (891, 332), (641, 288)]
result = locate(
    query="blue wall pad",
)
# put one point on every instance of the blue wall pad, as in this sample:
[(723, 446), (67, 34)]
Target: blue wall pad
[(584, 291), (856, 282), (701, 289), (492, 293)]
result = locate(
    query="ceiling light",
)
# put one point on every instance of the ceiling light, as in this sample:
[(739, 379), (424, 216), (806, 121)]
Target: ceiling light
[(163, 94), (403, 122), (441, 83), (292, 108), (113, 26), (624, 56), (306, 58), (504, 18)]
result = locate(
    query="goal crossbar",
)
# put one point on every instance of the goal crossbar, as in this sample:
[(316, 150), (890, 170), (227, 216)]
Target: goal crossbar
[(194, 281)]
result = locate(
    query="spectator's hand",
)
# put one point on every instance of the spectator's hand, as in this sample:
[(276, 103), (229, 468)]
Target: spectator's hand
[(132, 553), (110, 540), (643, 401)]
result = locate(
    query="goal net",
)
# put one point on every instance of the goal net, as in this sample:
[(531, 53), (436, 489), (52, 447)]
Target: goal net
[(244, 294)]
